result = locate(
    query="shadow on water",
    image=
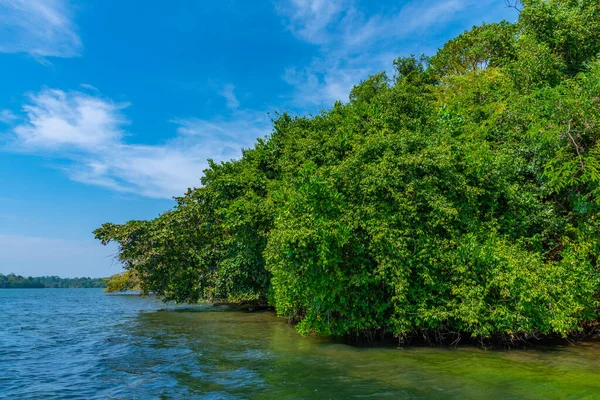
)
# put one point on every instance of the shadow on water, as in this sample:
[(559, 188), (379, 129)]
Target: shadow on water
[(197, 353)]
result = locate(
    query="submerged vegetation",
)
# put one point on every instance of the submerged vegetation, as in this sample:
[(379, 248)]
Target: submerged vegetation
[(460, 196), (12, 281)]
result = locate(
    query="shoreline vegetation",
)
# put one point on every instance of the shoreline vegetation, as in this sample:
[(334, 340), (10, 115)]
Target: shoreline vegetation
[(12, 281), (458, 199)]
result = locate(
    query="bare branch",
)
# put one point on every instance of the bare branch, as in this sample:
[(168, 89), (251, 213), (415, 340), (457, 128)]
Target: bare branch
[(513, 4), (576, 145)]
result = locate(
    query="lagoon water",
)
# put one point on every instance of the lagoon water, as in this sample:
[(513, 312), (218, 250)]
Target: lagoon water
[(85, 344)]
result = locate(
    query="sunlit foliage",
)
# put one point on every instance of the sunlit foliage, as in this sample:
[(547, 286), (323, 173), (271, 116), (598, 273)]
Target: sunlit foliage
[(461, 195)]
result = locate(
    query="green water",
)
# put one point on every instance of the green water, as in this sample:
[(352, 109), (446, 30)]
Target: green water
[(266, 351), (85, 344)]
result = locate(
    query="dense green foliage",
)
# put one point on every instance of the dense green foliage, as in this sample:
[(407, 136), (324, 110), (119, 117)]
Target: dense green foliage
[(12, 281), (123, 282), (461, 195)]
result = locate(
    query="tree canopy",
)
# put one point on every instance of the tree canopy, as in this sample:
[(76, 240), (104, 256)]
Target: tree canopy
[(460, 196)]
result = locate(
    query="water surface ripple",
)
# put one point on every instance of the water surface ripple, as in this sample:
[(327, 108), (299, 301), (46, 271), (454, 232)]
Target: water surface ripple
[(84, 344)]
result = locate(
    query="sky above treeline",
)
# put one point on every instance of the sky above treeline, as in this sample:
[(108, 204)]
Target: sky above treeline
[(109, 108)]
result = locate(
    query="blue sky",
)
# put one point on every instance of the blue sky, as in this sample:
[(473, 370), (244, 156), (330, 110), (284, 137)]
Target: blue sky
[(109, 108)]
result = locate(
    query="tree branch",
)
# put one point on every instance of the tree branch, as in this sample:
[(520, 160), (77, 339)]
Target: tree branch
[(513, 4), (575, 144)]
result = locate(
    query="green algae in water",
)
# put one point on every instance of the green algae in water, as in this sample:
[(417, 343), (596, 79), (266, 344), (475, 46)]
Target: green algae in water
[(83, 344), (256, 355)]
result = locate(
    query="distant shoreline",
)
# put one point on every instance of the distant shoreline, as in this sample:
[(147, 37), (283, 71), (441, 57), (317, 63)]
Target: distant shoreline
[(45, 287), (13, 281)]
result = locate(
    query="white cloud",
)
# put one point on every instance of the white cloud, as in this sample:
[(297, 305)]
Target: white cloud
[(40, 28), (89, 87), (89, 132), (311, 20), (229, 95), (7, 116), (223, 132), (342, 24), (351, 45), (151, 171), (56, 119), (321, 84)]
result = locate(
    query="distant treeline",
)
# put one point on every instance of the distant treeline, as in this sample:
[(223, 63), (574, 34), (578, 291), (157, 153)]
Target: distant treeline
[(12, 281)]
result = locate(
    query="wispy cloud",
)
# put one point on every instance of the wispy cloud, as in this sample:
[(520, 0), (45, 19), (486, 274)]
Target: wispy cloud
[(329, 79), (90, 133), (89, 87), (341, 24), (7, 116), (70, 120), (351, 44), (228, 93), (312, 20), (40, 28)]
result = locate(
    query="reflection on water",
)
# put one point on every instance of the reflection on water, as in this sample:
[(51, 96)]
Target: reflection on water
[(125, 347)]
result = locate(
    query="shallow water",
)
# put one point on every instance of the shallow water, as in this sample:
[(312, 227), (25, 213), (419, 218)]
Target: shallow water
[(82, 343)]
